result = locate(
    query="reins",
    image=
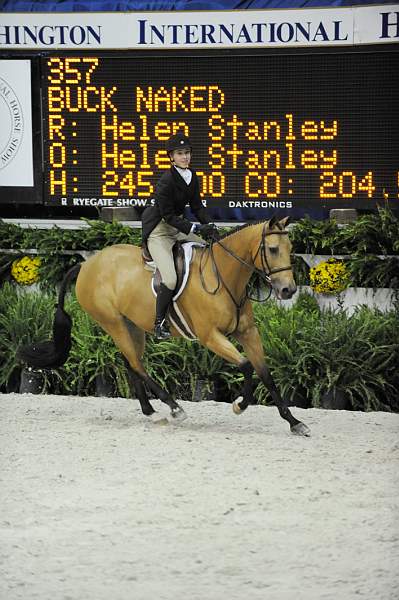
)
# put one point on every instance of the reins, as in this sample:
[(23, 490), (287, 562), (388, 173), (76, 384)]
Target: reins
[(263, 273), (220, 280)]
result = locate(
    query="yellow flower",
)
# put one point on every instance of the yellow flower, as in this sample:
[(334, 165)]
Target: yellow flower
[(329, 277), (25, 270)]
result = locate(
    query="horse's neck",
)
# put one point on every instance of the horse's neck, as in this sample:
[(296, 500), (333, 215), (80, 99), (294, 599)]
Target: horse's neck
[(240, 244)]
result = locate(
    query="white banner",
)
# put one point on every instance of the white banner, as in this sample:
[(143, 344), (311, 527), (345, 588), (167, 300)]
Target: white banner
[(215, 29), (16, 160)]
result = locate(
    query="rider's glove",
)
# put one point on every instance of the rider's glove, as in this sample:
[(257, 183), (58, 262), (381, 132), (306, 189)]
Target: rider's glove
[(209, 231)]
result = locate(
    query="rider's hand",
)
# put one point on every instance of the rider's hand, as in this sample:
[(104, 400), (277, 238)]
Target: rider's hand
[(209, 231)]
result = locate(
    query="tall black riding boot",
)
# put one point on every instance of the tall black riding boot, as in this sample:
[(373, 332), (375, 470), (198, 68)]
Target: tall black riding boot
[(164, 298)]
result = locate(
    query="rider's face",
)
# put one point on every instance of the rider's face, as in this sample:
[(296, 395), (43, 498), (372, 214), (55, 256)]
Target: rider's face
[(181, 158)]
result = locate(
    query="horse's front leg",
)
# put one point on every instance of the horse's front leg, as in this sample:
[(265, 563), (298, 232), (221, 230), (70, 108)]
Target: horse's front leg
[(253, 348), (221, 346)]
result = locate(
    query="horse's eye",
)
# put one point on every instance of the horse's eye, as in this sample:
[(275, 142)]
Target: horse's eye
[(273, 250)]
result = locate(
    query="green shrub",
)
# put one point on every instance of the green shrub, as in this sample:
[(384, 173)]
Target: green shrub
[(371, 271), (51, 243), (309, 236), (365, 239), (24, 318), (376, 233), (311, 352), (6, 261), (300, 270), (54, 266), (97, 235), (93, 353)]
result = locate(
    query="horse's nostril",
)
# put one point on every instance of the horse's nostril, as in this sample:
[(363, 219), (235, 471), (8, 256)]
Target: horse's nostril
[(287, 292)]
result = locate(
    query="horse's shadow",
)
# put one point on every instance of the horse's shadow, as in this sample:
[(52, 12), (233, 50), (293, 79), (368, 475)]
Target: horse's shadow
[(223, 424)]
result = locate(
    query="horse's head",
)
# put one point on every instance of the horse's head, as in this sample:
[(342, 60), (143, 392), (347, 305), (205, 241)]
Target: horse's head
[(273, 257)]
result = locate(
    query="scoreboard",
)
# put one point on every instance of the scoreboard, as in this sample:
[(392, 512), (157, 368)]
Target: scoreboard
[(284, 130)]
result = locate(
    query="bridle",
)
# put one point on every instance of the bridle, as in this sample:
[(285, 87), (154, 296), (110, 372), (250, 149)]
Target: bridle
[(262, 251), (264, 273)]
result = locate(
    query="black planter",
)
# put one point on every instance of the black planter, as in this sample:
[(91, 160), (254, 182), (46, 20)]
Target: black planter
[(204, 390), (335, 399), (104, 387), (300, 402), (32, 381), (223, 393), (12, 385)]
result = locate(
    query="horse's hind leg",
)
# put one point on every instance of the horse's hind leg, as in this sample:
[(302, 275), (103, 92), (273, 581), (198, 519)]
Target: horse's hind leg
[(176, 411), (139, 376), (137, 386), (131, 342)]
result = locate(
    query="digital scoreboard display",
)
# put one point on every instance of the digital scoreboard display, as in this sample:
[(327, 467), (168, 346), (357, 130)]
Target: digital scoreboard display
[(285, 131)]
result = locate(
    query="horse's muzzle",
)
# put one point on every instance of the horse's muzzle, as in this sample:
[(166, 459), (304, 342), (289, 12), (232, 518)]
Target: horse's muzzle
[(285, 292)]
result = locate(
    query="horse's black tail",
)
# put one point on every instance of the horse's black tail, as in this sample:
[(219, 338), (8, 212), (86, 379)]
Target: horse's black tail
[(53, 353)]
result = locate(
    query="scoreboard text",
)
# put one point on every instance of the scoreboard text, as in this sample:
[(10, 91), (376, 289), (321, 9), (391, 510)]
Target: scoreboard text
[(268, 131)]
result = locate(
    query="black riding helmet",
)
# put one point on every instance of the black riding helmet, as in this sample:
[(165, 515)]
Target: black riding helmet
[(178, 142)]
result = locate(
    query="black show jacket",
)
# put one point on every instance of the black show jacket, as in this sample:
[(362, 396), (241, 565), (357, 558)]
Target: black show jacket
[(172, 194)]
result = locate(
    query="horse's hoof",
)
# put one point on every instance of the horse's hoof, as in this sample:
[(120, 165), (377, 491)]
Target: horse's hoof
[(300, 429), (235, 406), (178, 415), (158, 419)]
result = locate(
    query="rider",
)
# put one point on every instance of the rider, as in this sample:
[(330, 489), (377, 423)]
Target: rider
[(164, 222)]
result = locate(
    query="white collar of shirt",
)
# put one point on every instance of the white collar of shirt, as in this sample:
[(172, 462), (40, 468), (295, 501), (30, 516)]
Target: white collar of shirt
[(185, 173)]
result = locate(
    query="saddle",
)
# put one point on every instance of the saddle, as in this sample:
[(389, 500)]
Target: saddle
[(180, 266), (182, 256)]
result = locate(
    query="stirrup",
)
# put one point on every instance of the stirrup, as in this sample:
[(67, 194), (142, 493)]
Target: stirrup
[(161, 330)]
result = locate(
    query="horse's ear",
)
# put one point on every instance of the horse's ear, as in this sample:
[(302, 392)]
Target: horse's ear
[(273, 221), (284, 222)]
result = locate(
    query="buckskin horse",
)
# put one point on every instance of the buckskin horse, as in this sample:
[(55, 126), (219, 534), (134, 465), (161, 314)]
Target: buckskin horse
[(114, 288)]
